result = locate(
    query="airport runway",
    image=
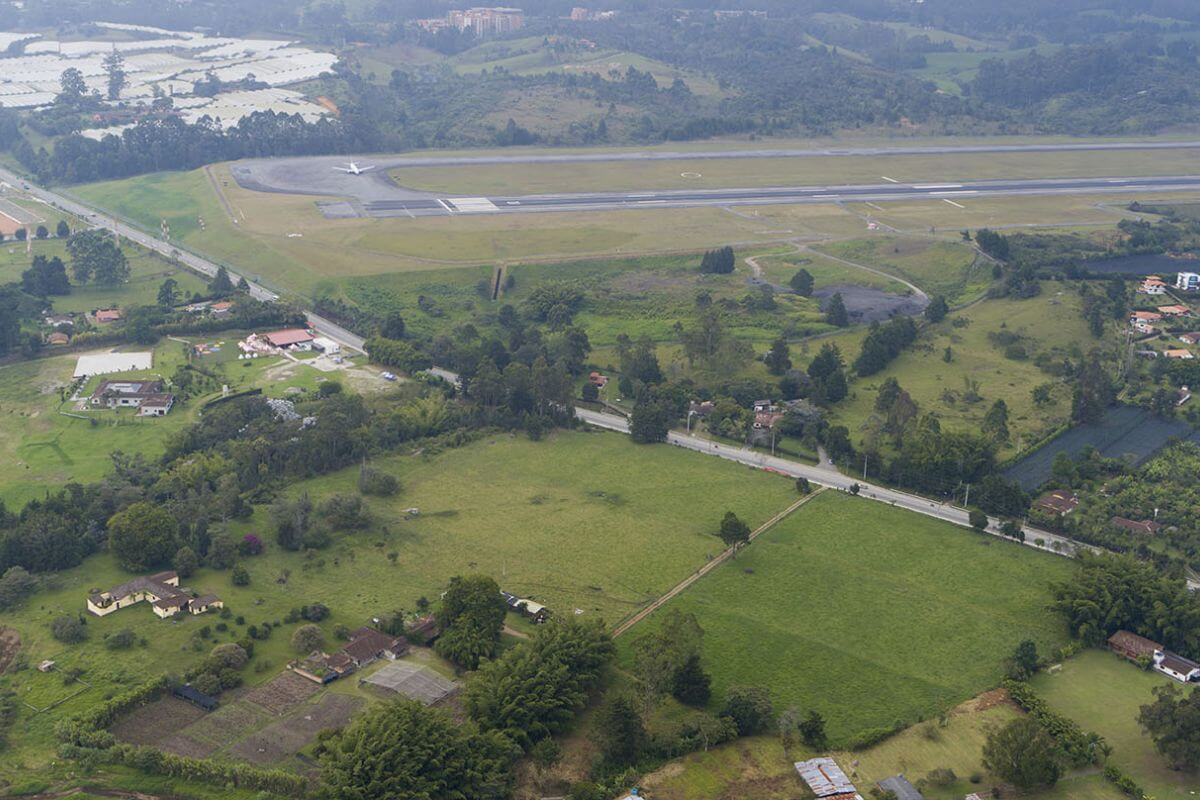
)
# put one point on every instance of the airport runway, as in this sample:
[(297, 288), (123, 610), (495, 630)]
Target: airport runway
[(877, 193), (375, 194)]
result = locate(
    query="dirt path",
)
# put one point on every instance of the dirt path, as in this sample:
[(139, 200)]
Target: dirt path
[(10, 644), (216, 187), (917, 290), (709, 567), (514, 632)]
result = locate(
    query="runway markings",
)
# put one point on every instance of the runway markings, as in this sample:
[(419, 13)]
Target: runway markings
[(889, 180), (938, 186), (960, 191), (443, 204), (823, 196), (473, 205), (951, 202)]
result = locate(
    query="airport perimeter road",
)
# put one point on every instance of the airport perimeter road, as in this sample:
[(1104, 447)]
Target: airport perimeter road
[(836, 480), (174, 252)]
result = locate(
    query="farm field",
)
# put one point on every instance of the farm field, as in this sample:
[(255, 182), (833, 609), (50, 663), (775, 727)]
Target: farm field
[(939, 386), (1103, 693), (874, 617), (718, 173), (580, 520)]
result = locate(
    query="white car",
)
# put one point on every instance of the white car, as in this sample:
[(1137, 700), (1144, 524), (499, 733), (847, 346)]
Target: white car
[(388, 376)]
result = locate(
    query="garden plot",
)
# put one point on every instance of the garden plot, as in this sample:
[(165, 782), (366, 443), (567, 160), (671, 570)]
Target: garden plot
[(282, 693), (287, 737)]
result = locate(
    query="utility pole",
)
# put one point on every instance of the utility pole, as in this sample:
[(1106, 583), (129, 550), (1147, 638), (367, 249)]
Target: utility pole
[(967, 498), (864, 466)]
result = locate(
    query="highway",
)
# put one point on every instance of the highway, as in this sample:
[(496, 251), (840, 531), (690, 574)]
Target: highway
[(174, 252), (825, 476), (411, 205)]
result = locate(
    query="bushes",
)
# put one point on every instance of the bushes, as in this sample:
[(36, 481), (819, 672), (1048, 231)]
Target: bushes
[(1127, 785), (68, 629), (374, 482), (396, 353)]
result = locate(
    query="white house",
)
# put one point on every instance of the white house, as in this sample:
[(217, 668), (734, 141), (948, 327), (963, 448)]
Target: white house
[(1176, 666), (1187, 281)]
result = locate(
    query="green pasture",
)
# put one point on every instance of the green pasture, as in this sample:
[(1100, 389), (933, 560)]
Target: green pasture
[(1103, 693), (941, 267), (875, 617), (586, 521)]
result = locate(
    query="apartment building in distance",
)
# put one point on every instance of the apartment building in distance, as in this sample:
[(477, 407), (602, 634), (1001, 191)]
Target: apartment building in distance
[(487, 21)]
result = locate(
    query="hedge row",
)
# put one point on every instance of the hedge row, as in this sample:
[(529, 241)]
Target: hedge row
[(1080, 747), (89, 729), (218, 773)]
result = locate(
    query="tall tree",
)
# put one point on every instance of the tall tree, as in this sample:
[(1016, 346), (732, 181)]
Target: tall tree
[(995, 422), (72, 84), (734, 532), (937, 309), (620, 732), (1023, 754), (143, 536), (778, 358), (220, 285), (835, 312), (802, 283), (168, 293), (114, 68), (1173, 724)]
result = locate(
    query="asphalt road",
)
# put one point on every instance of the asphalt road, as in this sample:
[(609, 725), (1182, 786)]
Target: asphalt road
[(172, 251), (824, 476)]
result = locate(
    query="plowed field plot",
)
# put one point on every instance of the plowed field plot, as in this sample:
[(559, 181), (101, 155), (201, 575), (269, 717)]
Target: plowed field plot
[(227, 724), (153, 721), (287, 737), (282, 693)]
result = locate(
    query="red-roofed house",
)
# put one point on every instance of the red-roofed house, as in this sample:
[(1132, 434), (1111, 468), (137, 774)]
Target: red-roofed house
[(1132, 646), (1059, 501), (292, 338), (108, 315), (1146, 527), (1174, 311)]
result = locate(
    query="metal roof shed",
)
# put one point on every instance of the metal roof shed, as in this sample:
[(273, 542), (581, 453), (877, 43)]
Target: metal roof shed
[(824, 777)]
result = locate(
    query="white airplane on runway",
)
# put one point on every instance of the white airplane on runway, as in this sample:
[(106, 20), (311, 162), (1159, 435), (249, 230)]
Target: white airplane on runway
[(354, 169)]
